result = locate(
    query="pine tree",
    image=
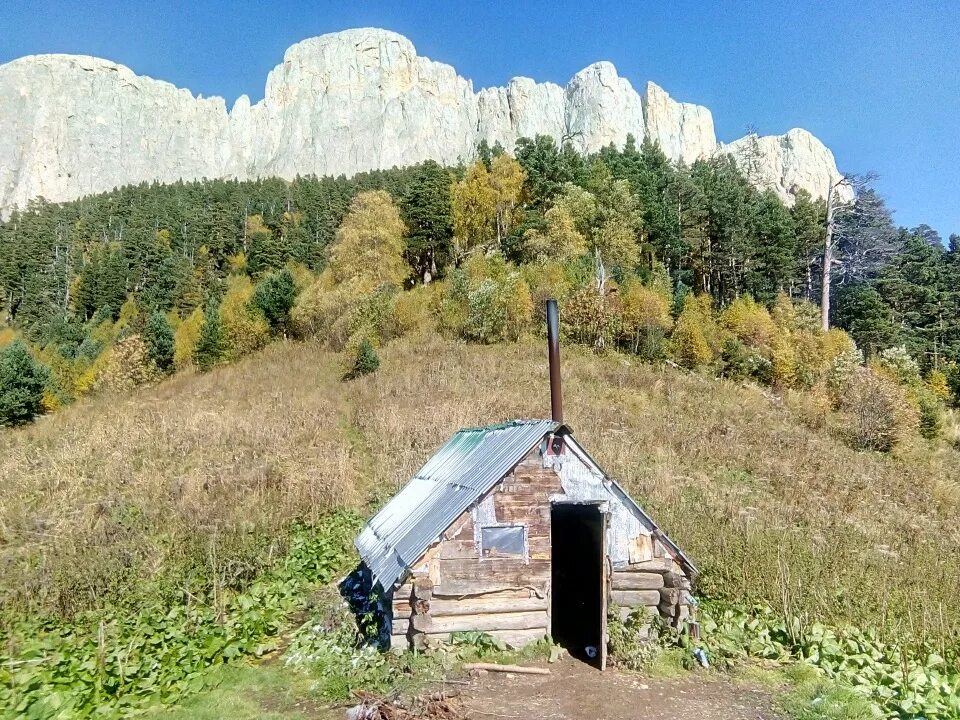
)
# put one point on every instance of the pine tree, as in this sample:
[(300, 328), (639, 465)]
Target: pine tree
[(210, 345), (425, 207), (22, 382), (274, 297), (365, 360), (158, 336)]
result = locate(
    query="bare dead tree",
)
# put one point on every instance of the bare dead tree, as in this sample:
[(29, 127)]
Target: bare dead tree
[(857, 182)]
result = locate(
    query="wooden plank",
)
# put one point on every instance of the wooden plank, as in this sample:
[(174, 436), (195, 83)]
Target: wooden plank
[(501, 594), (637, 581), (461, 528), (474, 577), (634, 598), (512, 638), (655, 565), (474, 606), (458, 549), (496, 667), (535, 619)]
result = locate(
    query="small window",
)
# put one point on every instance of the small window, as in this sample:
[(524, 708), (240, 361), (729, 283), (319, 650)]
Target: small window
[(503, 541)]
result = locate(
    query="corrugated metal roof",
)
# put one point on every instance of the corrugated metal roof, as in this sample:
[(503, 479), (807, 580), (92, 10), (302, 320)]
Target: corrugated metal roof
[(460, 472)]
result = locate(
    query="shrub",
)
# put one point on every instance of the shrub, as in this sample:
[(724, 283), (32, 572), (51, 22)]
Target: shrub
[(486, 316), (325, 310), (749, 321), (843, 367), (880, 413), (645, 319), (412, 311), (243, 329), (783, 362), (185, 339), (590, 318), (738, 362), (689, 344), (899, 365), (496, 300), (159, 339), (22, 383), (127, 366), (274, 296), (364, 359), (936, 381), (518, 305)]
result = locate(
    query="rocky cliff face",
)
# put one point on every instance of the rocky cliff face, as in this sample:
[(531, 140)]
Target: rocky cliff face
[(341, 103)]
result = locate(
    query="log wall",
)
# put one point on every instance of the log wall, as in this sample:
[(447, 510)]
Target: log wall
[(505, 597)]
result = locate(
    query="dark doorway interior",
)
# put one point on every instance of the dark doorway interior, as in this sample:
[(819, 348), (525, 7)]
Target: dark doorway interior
[(576, 593)]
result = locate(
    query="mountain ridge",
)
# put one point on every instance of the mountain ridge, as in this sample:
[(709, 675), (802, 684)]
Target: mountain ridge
[(341, 103)]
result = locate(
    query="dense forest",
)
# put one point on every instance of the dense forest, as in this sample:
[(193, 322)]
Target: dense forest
[(691, 265)]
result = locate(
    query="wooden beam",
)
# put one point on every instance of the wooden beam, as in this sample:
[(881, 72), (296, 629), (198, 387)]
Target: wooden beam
[(519, 669), (469, 623), (637, 581), (473, 606), (635, 598)]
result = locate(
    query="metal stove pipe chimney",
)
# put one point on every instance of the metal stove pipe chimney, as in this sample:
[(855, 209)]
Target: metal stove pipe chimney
[(553, 350)]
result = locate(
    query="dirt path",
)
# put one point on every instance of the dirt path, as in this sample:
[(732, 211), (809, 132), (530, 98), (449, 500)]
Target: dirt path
[(574, 691)]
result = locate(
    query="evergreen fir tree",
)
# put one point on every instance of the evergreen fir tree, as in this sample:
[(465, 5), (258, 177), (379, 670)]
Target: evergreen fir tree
[(158, 335), (22, 382), (210, 345), (274, 297)]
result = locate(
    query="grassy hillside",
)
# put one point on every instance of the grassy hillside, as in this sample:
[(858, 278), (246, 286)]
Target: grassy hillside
[(190, 486)]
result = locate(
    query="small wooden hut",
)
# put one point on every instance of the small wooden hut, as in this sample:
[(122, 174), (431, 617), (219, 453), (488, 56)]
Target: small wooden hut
[(514, 530)]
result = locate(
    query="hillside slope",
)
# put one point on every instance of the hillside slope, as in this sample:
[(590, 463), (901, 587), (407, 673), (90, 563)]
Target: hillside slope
[(198, 477)]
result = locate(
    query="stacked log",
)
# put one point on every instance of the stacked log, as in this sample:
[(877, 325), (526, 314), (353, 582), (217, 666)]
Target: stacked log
[(421, 616), (658, 585)]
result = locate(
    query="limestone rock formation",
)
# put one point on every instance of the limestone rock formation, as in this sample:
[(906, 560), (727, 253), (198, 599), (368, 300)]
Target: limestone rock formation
[(787, 163), (340, 103), (684, 131)]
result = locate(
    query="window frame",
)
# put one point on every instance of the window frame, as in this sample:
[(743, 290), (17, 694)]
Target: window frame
[(525, 556)]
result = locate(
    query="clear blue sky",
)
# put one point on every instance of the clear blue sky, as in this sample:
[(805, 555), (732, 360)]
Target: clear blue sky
[(878, 82)]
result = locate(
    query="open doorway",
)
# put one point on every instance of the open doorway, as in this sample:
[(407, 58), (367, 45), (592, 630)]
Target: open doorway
[(578, 607)]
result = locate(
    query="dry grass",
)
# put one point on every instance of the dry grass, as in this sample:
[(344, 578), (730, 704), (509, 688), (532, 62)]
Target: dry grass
[(195, 475), (760, 490)]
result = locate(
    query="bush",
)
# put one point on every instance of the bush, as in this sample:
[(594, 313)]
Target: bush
[(128, 366), (689, 344), (590, 318), (645, 319), (750, 322), (22, 382), (185, 339), (936, 381), (364, 360), (412, 311), (325, 310), (159, 339), (736, 361), (783, 362), (899, 365), (274, 296), (880, 413), (243, 329)]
